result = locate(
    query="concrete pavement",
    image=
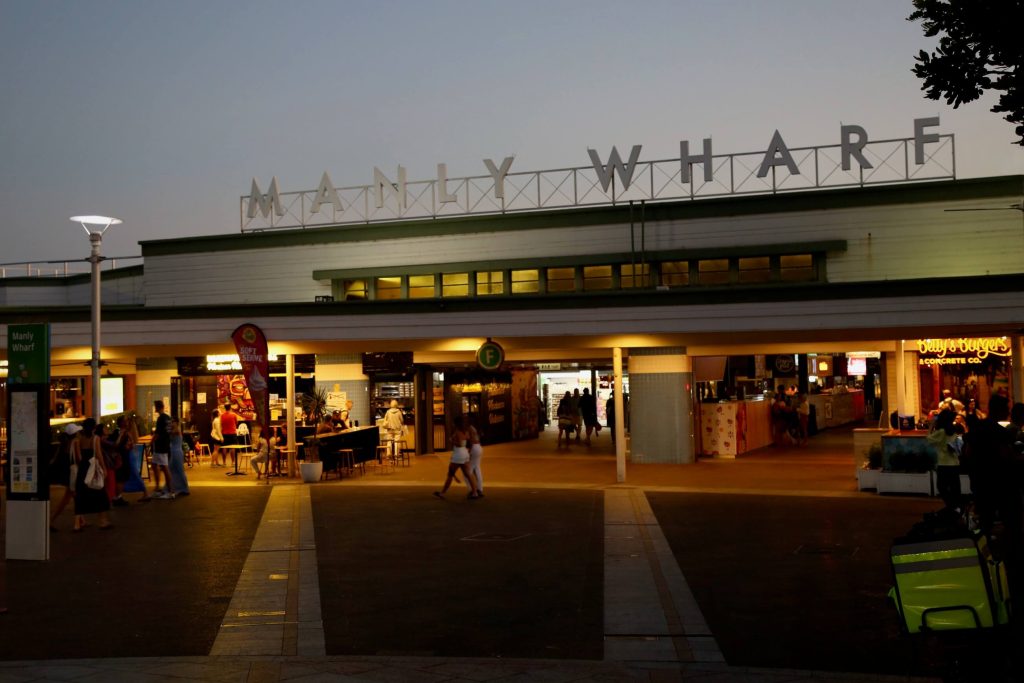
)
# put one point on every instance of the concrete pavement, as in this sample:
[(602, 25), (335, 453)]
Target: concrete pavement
[(397, 585)]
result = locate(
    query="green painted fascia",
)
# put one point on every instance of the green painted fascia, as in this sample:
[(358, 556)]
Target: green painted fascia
[(789, 201), (588, 260), (771, 292), (65, 280)]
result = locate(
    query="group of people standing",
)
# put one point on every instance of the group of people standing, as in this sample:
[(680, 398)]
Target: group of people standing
[(578, 411), (87, 448)]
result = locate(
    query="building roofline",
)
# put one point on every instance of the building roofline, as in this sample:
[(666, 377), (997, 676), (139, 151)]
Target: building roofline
[(804, 200), (732, 294)]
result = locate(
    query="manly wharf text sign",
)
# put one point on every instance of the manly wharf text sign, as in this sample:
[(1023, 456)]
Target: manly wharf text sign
[(696, 174)]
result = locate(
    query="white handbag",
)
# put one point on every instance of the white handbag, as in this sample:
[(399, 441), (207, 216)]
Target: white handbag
[(96, 476)]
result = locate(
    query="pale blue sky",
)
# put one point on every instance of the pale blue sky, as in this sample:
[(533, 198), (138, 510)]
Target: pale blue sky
[(161, 112)]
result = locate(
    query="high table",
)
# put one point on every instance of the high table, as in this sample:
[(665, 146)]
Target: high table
[(362, 441), (238, 447)]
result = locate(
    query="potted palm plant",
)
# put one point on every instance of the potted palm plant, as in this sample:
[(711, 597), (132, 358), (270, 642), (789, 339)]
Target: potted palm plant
[(314, 405)]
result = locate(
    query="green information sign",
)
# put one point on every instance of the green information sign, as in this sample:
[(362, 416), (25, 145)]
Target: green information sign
[(490, 355), (28, 354)]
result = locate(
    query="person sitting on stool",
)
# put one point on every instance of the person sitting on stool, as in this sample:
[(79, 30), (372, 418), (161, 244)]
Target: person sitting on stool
[(262, 451)]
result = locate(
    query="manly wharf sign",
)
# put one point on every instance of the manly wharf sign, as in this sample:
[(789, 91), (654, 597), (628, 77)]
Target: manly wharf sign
[(856, 161)]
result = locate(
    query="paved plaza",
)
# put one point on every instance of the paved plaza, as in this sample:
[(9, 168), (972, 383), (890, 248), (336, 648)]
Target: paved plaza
[(770, 567)]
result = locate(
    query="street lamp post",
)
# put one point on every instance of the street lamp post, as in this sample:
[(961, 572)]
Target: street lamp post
[(95, 226)]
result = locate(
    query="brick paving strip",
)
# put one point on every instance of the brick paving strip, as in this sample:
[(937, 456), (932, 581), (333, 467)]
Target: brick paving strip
[(275, 609), (650, 613)]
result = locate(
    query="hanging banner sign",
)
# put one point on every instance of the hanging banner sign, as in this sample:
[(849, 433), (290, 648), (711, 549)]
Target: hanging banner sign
[(251, 344)]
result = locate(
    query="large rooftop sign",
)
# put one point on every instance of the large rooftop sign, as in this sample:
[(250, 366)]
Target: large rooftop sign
[(697, 173)]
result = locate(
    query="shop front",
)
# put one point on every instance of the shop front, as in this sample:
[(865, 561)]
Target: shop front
[(969, 368), (207, 383), (502, 406), (735, 395)]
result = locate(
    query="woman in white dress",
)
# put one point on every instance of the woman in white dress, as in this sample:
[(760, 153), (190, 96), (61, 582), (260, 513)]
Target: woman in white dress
[(476, 452), (459, 461)]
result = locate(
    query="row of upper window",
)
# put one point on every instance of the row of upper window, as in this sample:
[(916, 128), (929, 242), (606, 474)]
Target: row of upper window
[(562, 279)]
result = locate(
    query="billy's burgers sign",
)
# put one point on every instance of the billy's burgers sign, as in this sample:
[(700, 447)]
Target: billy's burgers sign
[(962, 350)]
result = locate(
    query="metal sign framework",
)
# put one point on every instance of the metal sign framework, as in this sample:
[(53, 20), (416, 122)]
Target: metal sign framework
[(652, 181)]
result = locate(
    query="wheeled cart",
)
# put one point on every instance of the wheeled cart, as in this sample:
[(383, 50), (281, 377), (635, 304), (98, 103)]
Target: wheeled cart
[(954, 602), (949, 584)]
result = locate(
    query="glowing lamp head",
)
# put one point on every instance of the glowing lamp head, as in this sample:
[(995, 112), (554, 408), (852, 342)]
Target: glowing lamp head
[(96, 225)]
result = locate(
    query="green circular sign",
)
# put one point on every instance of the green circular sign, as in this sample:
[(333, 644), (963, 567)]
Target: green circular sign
[(490, 355)]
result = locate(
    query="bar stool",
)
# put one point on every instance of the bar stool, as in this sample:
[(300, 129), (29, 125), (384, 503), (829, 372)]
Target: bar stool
[(384, 459), (401, 452), (347, 460)]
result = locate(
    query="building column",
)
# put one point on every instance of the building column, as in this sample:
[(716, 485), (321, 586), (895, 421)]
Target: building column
[(289, 413), (1017, 367), (901, 379), (661, 406), (620, 417)]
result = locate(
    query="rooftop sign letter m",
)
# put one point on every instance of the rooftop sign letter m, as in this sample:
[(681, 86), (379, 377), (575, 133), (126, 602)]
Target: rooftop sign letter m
[(264, 202)]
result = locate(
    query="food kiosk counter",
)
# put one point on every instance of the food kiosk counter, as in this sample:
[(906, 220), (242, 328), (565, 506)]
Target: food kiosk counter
[(732, 428), (837, 408)]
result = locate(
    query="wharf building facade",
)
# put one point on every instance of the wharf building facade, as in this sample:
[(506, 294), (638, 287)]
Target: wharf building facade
[(656, 290)]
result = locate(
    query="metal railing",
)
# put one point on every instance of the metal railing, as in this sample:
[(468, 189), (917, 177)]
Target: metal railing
[(44, 269), (733, 175)]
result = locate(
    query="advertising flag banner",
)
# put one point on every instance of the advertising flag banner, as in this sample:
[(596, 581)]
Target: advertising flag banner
[(251, 344)]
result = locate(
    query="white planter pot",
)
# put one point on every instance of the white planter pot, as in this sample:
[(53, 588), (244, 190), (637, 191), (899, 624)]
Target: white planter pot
[(906, 482), (311, 471), (867, 479)]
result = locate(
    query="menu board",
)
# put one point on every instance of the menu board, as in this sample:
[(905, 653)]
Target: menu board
[(24, 442)]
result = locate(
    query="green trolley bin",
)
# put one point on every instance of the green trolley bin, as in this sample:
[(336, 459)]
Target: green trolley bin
[(949, 584)]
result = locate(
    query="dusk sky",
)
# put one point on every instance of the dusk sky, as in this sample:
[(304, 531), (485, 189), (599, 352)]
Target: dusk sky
[(161, 113)]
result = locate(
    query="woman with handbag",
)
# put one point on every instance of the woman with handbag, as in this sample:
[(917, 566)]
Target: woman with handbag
[(90, 484), (61, 471), (127, 437)]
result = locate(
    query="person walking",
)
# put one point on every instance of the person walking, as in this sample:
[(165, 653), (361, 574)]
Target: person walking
[(176, 462), (111, 459), (565, 423), (127, 437), (460, 461), (85, 449), (61, 471), (588, 411), (476, 453), (217, 440), (161, 453), (574, 413)]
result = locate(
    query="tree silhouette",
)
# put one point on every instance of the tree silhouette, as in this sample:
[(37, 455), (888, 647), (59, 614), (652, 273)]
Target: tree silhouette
[(981, 48)]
